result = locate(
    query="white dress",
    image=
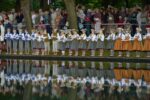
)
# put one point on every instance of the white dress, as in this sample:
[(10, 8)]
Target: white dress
[(53, 17), (2, 31), (97, 25), (55, 44)]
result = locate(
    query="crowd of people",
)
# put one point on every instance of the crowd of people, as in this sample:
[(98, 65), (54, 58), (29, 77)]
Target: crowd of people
[(117, 30), (40, 42), (51, 34), (87, 18)]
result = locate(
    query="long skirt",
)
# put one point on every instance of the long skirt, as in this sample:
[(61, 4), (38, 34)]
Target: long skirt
[(137, 74), (146, 74), (83, 45), (62, 46), (125, 74), (15, 45), (27, 45), (127, 46), (55, 45), (137, 45), (68, 45), (118, 74), (21, 45), (146, 45), (40, 45), (118, 45), (47, 46), (110, 44), (28, 67), (92, 45), (21, 67), (9, 44), (100, 45), (33, 44), (15, 67), (74, 45)]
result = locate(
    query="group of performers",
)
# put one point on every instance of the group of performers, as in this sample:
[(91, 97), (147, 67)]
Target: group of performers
[(42, 85), (19, 41), (16, 74), (40, 42)]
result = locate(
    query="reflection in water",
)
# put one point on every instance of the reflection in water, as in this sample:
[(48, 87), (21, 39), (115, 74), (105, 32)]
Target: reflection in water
[(75, 80), (101, 65), (119, 64), (112, 65), (127, 65), (148, 65), (138, 65)]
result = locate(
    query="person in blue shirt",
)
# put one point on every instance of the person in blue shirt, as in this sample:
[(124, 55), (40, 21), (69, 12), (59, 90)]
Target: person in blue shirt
[(27, 42), (21, 41), (8, 36), (14, 39)]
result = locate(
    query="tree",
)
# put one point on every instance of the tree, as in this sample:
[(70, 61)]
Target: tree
[(72, 17), (25, 6), (43, 4), (17, 5)]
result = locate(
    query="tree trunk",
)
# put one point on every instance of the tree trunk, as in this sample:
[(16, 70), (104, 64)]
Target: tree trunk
[(17, 5), (25, 6), (72, 17), (28, 91)]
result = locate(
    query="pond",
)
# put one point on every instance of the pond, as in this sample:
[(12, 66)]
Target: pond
[(74, 80)]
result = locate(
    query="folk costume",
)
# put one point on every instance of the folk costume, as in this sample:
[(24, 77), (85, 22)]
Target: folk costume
[(92, 39), (62, 42), (100, 43), (75, 42), (119, 42), (15, 38), (40, 43), (54, 36), (83, 42), (27, 42), (69, 42), (127, 46), (8, 36), (146, 38), (21, 41), (2, 31), (137, 44), (47, 38), (110, 42), (33, 41)]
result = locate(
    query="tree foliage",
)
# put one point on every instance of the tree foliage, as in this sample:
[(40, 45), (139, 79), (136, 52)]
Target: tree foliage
[(36, 4), (6, 5)]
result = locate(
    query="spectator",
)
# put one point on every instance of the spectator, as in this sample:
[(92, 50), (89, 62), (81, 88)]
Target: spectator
[(120, 22), (138, 17)]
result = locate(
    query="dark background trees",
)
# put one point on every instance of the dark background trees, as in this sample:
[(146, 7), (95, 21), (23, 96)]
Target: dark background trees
[(36, 4), (28, 5)]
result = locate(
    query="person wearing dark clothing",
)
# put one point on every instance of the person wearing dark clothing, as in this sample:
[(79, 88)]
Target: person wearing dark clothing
[(19, 18), (132, 91), (133, 21)]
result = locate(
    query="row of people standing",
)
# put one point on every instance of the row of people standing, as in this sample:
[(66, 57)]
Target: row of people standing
[(118, 40), (63, 40), (81, 87), (23, 42)]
